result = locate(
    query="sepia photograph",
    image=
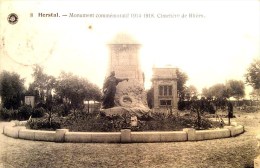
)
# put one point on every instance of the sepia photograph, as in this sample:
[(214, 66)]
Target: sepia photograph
[(144, 83)]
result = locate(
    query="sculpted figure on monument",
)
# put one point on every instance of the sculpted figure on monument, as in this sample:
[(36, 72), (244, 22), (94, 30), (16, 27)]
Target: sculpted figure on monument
[(109, 90)]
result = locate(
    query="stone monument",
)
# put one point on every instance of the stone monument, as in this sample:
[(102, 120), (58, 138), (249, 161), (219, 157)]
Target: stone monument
[(124, 62)]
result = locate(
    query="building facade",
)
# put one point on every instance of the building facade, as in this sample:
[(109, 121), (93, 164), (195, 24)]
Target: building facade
[(29, 100), (164, 82)]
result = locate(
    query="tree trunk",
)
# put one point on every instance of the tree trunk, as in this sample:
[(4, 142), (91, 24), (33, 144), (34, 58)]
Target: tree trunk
[(199, 119), (50, 117)]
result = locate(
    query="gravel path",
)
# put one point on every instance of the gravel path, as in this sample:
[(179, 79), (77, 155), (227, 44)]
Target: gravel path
[(230, 152)]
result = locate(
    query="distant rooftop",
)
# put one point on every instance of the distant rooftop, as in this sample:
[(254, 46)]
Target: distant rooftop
[(164, 73), (123, 38), (163, 66)]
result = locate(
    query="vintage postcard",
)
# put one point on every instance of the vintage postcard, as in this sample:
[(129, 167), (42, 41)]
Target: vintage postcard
[(64, 58)]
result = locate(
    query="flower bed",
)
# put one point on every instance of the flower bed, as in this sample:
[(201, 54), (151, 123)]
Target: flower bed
[(97, 122)]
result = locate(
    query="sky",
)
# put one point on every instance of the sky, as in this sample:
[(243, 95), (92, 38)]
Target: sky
[(211, 41)]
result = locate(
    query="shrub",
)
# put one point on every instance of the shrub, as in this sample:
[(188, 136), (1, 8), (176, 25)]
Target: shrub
[(157, 122), (24, 112), (61, 110), (38, 112), (5, 114), (8, 114), (84, 121), (211, 109), (251, 109), (13, 114), (181, 105), (43, 123), (163, 122)]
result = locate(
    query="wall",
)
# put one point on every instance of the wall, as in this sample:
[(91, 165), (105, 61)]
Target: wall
[(125, 136)]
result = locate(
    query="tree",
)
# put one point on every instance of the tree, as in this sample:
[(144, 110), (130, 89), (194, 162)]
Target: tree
[(11, 89), (43, 84), (42, 88), (255, 94), (181, 81), (207, 93), (236, 89), (217, 94), (93, 93), (253, 74), (73, 90), (218, 91), (198, 107), (190, 92)]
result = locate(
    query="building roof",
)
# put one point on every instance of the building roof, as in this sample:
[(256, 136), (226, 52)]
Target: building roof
[(123, 38), (164, 73)]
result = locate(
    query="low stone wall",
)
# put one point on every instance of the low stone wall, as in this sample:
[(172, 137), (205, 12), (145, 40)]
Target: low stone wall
[(94, 137), (125, 136), (208, 134), (174, 136), (257, 159), (11, 131)]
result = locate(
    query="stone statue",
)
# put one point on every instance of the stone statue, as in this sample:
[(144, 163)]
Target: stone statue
[(109, 90)]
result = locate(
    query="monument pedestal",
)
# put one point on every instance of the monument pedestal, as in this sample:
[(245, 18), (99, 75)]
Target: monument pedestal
[(139, 112), (124, 61)]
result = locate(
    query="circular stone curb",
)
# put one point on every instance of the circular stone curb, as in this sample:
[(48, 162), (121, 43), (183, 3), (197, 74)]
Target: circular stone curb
[(124, 136), (257, 159)]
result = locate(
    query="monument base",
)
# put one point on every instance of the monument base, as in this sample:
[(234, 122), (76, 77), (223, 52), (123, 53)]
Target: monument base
[(133, 111)]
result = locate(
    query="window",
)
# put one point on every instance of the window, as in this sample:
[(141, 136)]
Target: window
[(165, 102), (165, 90)]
